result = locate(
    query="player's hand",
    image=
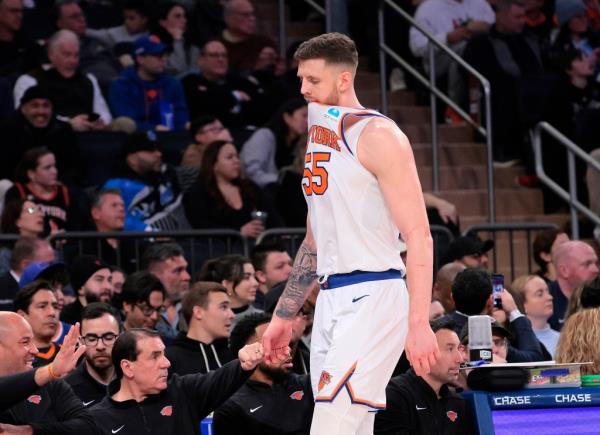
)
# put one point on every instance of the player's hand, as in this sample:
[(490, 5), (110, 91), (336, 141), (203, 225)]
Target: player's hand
[(421, 348), (69, 353), (251, 355), (276, 340)]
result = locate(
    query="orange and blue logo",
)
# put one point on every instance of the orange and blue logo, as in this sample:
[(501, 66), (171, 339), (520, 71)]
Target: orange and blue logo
[(35, 399), (297, 395), (325, 379), (452, 416), (167, 411)]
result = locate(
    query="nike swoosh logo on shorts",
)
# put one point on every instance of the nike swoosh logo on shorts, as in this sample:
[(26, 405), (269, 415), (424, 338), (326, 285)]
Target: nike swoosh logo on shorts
[(359, 298), (253, 410), (87, 403), (117, 430), (419, 409)]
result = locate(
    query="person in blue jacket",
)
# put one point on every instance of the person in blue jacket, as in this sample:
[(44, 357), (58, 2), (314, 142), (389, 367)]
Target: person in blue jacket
[(146, 94)]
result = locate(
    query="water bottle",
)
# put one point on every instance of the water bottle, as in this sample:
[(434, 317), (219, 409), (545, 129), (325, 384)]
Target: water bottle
[(480, 338), (167, 115)]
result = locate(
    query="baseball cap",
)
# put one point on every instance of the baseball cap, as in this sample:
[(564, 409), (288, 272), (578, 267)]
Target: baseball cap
[(497, 329), (83, 267), (466, 245), (40, 270), (140, 141), (148, 44)]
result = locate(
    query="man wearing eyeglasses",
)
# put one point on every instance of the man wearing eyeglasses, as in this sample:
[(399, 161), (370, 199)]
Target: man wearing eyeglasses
[(99, 330), (143, 300)]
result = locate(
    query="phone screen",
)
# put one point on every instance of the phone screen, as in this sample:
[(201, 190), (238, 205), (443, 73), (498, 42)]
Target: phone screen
[(497, 288)]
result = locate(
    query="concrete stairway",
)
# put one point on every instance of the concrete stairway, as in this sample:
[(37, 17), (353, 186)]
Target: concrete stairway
[(463, 167)]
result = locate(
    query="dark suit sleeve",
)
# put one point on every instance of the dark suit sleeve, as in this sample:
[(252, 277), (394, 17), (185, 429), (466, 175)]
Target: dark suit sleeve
[(15, 388), (209, 391), (229, 420), (397, 418), (527, 346), (72, 417)]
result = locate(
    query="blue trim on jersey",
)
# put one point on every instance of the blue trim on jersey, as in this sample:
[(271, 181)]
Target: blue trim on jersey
[(356, 277), (360, 115)]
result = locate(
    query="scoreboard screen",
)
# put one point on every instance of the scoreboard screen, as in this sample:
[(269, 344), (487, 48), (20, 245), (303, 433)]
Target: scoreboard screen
[(559, 411)]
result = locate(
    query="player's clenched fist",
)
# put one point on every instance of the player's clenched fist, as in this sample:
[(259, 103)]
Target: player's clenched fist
[(251, 355)]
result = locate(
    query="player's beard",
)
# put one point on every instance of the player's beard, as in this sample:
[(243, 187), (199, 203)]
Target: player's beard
[(333, 99)]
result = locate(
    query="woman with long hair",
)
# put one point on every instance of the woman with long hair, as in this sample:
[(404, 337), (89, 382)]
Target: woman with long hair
[(170, 25), (37, 181), (272, 147), (579, 340), (236, 274), (223, 198), (533, 292)]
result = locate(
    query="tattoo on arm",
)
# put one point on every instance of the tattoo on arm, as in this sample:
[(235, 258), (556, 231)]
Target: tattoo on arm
[(300, 283)]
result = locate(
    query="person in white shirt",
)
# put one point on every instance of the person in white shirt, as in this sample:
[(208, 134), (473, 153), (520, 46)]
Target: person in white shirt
[(537, 302)]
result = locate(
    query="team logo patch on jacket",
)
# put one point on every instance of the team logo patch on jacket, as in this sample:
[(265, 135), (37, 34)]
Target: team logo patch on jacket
[(325, 379), (167, 411), (297, 395), (35, 399), (452, 416)]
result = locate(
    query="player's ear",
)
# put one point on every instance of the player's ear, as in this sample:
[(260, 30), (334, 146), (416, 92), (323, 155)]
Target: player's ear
[(345, 81)]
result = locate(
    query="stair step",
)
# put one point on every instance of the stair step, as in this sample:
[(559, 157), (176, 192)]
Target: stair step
[(372, 98), (410, 114), (508, 201), (469, 177), (421, 133), (559, 219), (451, 154)]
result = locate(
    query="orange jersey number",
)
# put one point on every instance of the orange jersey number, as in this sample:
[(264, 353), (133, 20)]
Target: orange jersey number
[(314, 178)]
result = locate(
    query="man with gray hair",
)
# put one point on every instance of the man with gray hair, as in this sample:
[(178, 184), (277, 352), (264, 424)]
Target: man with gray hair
[(167, 262), (576, 263), (95, 57), (76, 95)]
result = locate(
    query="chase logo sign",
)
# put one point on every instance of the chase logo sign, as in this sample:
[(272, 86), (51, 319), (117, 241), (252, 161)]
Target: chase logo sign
[(333, 112)]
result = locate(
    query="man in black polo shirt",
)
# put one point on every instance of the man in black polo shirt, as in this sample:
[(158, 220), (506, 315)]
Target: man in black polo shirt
[(274, 401), (425, 404), (51, 409), (142, 400), (99, 330)]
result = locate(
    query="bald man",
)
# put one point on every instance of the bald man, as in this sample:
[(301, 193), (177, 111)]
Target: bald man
[(51, 408), (442, 288), (576, 263)]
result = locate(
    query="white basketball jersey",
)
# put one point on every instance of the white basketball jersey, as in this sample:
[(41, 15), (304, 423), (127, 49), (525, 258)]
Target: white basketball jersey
[(350, 220)]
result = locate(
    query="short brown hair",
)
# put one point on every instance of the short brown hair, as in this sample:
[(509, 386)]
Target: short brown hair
[(198, 296), (334, 48)]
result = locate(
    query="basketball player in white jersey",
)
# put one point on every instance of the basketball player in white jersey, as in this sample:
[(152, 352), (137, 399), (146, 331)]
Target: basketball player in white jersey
[(362, 189)]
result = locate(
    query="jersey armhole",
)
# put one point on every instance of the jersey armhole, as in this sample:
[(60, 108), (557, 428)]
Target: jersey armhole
[(357, 118)]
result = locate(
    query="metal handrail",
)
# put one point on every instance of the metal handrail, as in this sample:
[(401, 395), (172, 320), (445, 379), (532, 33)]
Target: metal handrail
[(282, 21), (572, 150), (510, 227), (384, 50)]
